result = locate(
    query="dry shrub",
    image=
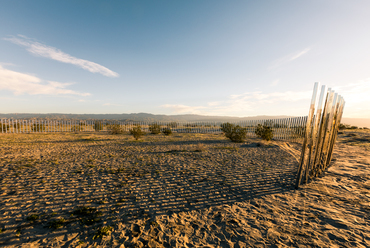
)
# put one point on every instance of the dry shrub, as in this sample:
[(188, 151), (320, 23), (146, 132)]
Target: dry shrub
[(155, 128), (234, 132), (4, 127), (37, 128), (344, 126), (167, 131), (264, 131), (115, 129), (98, 126), (75, 129), (137, 132)]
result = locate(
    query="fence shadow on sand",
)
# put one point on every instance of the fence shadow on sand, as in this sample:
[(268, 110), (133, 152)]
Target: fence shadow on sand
[(144, 192)]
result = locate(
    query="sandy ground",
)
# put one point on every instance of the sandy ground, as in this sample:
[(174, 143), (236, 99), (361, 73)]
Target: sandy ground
[(185, 190)]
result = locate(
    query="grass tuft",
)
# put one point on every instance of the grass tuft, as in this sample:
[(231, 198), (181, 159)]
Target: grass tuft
[(56, 223), (103, 231), (33, 217)]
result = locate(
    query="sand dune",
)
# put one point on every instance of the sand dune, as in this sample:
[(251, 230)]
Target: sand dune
[(188, 190)]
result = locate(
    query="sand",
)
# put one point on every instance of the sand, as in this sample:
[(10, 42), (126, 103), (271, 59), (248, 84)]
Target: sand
[(185, 190)]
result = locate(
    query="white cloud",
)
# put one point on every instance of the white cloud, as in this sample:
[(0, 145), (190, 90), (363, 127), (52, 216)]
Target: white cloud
[(21, 83), (287, 59), (356, 96), (245, 104), (355, 92), (42, 50)]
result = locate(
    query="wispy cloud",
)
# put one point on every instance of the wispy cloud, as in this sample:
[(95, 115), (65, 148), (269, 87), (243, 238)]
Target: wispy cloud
[(299, 54), (248, 103), (42, 50), (21, 83), (259, 97), (287, 59)]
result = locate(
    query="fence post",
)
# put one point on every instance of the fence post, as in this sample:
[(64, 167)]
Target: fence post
[(322, 133), (302, 165), (338, 119), (316, 134), (328, 134)]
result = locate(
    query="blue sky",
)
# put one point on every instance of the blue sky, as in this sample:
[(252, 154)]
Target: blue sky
[(233, 58)]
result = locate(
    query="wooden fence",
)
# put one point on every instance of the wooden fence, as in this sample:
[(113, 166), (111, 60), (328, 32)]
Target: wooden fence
[(292, 129), (320, 134)]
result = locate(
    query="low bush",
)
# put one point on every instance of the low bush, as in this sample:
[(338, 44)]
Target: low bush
[(155, 128), (353, 127), (10, 127), (98, 126), (234, 132), (37, 127), (115, 129), (75, 128), (298, 131), (167, 131), (137, 132), (264, 131), (4, 127), (172, 124), (344, 126), (17, 125)]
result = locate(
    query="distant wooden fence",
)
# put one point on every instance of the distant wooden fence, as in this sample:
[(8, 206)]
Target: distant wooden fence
[(292, 129), (320, 134)]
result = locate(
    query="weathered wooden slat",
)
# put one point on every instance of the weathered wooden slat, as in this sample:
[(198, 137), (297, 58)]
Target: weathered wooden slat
[(338, 120), (315, 132), (326, 137), (302, 170)]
